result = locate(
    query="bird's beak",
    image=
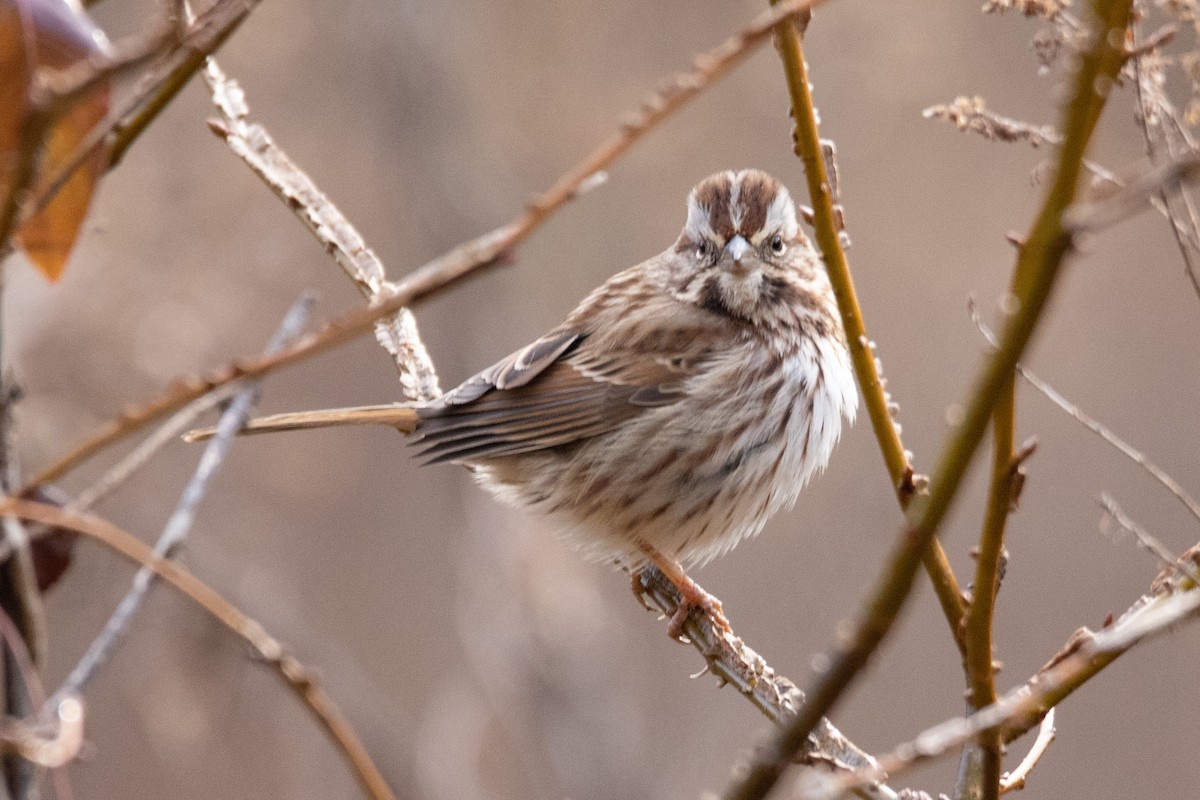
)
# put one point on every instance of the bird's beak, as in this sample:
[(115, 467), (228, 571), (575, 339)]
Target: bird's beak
[(736, 251)]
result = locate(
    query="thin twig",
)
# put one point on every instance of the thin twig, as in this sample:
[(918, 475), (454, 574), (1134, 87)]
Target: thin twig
[(251, 142), (303, 681), (979, 772), (1098, 428), (462, 261), (1148, 540), (69, 83), (122, 126), (1015, 781), (1162, 180), (1027, 705), (137, 458), (1038, 266), (1176, 203), (827, 230), (970, 114), (175, 532)]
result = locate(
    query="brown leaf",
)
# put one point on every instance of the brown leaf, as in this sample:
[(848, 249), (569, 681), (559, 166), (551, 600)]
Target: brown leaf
[(38, 34), (14, 89)]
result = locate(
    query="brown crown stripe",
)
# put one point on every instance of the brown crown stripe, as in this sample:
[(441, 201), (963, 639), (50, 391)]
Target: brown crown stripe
[(757, 194), (713, 196), (757, 191)]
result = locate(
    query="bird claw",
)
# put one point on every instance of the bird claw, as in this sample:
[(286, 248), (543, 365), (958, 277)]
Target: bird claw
[(696, 599)]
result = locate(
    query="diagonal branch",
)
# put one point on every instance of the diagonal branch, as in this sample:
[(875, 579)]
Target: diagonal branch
[(1022, 708), (733, 662), (152, 94), (251, 142), (1099, 428), (176, 530)]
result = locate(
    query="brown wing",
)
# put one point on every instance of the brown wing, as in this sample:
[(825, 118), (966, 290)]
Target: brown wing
[(548, 394)]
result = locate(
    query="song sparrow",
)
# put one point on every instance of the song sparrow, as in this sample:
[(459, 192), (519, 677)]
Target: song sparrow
[(676, 409)]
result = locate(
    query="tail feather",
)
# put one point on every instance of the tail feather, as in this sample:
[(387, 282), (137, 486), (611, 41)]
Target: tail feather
[(402, 418)]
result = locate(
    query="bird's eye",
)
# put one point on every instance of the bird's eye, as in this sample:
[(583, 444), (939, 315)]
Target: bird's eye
[(777, 245), (704, 249)]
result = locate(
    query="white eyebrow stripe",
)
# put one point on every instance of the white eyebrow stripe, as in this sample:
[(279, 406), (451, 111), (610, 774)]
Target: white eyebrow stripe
[(698, 227), (735, 199), (781, 215)]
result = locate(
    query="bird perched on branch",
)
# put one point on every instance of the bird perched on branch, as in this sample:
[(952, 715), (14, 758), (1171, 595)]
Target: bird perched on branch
[(677, 408)]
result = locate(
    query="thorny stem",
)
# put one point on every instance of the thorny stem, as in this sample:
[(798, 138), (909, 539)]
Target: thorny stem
[(825, 229), (1037, 269)]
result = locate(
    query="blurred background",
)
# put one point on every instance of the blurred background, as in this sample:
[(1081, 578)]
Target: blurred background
[(476, 654)]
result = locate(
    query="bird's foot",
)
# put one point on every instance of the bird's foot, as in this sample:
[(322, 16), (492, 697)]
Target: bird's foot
[(694, 598)]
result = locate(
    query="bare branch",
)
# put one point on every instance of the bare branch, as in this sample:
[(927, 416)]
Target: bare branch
[(251, 142), (1021, 708), (1148, 541), (175, 532), (733, 662), (303, 682), (831, 242), (1015, 781), (1099, 428), (141, 455)]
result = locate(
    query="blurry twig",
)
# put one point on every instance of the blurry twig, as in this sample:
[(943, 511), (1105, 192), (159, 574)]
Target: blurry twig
[(138, 457), (251, 142), (1162, 180), (971, 114), (299, 678), (176, 530), (1099, 428), (1015, 781), (1154, 110), (1148, 540), (53, 745), (1035, 275), (464, 260), (18, 576)]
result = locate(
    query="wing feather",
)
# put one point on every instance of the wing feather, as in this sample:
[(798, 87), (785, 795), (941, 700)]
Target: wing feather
[(551, 393)]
